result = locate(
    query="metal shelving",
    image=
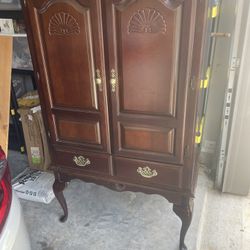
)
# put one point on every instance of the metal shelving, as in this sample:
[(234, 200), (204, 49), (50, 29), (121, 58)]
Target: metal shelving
[(16, 132)]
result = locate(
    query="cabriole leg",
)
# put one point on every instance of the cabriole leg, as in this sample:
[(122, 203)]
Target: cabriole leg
[(184, 212), (58, 188)]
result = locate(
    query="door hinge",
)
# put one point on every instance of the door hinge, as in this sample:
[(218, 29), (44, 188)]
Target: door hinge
[(113, 80), (192, 83), (98, 79), (38, 76), (186, 151), (49, 135)]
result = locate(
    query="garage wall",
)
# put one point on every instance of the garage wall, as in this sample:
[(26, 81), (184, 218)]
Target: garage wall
[(237, 167), (218, 85)]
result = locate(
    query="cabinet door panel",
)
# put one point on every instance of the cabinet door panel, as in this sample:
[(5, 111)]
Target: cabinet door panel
[(149, 140), (146, 69), (68, 43), (77, 130), (67, 50), (150, 48)]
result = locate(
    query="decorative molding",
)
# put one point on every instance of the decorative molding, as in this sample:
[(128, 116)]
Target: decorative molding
[(45, 5), (147, 20), (172, 4), (123, 4), (63, 23)]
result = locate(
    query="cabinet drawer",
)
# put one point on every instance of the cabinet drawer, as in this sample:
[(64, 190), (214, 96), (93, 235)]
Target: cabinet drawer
[(148, 173), (89, 162)]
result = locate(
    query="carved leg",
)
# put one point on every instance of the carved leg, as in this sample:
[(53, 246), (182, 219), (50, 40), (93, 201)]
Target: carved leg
[(185, 212), (58, 188)]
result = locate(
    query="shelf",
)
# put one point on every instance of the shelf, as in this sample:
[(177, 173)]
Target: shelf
[(23, 71), (12, 14), (14, 35)]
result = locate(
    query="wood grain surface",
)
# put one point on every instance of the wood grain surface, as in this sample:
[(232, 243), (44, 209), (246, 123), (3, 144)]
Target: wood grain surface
[(5, 81)]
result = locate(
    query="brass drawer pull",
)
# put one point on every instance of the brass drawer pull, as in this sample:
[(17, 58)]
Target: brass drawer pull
[(98, 79), (113, 80), (81, 161), (147, 172)]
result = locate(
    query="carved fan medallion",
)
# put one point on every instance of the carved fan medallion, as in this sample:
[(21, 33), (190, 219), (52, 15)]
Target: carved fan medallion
[(147, 21), (63, 24)]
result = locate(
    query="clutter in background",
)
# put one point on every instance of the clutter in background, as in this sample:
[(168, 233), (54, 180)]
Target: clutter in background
[(35, 137), (36, 186), (34, 131), (10, 5), (29, 100), (21, 54), (6, 26)]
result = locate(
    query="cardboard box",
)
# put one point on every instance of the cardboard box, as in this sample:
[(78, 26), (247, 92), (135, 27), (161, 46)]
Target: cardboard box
[(35, 138)]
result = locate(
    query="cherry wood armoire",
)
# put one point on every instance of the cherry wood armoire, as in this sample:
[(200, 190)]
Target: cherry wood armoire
[(119, 83)]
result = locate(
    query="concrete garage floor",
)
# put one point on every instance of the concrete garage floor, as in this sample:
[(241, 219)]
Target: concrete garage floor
[(226, 223), (18, 162), (102, 219)]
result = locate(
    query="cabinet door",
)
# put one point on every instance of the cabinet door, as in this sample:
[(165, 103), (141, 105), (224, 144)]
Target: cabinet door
[(150, 49), (67, 42)]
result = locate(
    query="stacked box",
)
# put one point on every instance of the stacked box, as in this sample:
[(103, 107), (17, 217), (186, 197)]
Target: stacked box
[(35, 138)]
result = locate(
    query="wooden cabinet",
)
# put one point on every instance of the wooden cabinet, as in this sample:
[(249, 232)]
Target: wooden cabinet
[(119, 80)]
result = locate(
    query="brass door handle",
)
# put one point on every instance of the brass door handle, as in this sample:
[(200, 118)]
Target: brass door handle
[(113, 80), (147, 172), (81, 161), (98, 79)]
